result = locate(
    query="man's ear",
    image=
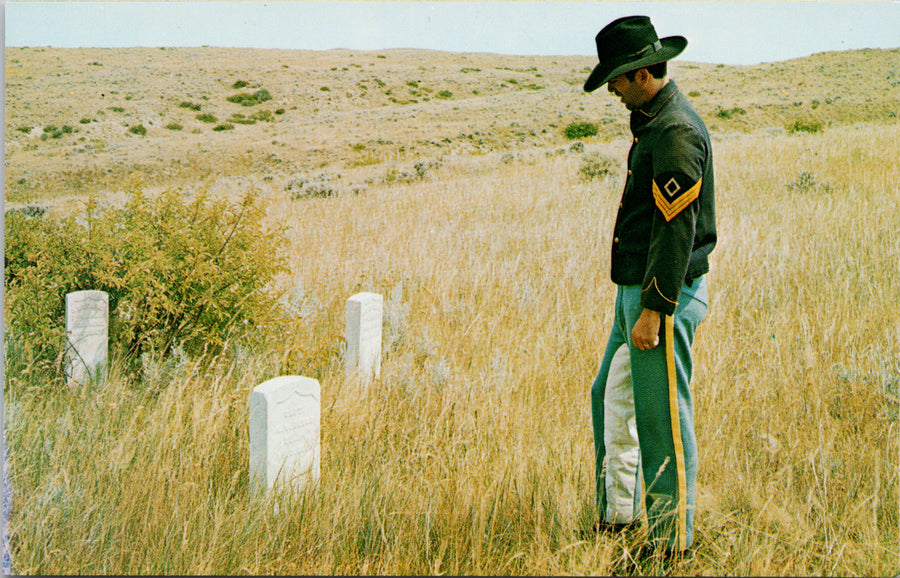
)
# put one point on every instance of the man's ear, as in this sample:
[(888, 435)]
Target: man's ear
[(642, 76)]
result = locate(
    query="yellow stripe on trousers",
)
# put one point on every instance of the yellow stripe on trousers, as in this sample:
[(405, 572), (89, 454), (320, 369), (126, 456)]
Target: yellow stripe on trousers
[(676, 433)]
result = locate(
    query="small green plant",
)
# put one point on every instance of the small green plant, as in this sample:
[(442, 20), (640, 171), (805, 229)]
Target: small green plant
[(206, 117), (87, 120), (240, 84), (25, 129), (445, 94), (302, 188), (117, 109), (578, 130), (241, 119), (800, 125), (729, 113), (223, 126), (247, 99), (174, 126), (51, 131), (190, 105), (594, 166), (138, 129), (806, 182)]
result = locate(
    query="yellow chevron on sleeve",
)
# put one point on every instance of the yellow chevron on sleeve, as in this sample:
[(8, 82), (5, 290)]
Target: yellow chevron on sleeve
[(669, 210)]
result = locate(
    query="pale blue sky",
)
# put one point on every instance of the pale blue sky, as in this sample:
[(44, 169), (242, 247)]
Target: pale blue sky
[(721, 32)]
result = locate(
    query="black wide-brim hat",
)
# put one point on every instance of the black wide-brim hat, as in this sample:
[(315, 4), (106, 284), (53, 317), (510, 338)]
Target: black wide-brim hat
[(627, 44)]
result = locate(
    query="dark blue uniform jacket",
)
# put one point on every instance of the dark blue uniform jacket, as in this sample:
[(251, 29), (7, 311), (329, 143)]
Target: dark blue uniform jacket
[(665, 228)]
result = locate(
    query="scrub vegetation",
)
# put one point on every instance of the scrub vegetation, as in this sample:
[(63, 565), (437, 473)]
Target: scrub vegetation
[(473, 452)]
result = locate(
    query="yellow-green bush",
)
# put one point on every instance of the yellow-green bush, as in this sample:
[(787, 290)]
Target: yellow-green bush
[(181, 270)]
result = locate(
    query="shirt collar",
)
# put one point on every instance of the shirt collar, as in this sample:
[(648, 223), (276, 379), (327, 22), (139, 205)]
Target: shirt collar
[(652, 107)]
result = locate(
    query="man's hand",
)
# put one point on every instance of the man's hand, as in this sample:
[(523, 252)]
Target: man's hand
[(645, 334)]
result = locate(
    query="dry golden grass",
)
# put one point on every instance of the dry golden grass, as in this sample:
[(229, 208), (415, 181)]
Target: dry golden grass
[(473, 453)]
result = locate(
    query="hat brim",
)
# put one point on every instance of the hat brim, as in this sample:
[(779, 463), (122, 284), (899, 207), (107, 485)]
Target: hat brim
[(672, 46)]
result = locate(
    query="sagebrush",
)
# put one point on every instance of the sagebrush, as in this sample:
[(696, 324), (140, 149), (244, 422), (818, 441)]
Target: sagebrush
[(181, 270)]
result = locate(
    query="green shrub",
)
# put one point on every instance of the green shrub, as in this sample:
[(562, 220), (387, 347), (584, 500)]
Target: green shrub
[(596, 165), (25, 129), (206, 117), (577, 130), (262, 95), (190, 105), (51, 131), (188, 272), (138, 130), (224, 126), (806, 182), (240, 84), (174, 126), (445, 94), (728, 113), (247, 99), (800, 125), (241, 119)]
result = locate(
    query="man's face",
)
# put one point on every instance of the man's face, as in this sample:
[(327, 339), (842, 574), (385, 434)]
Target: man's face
[(629, 91)]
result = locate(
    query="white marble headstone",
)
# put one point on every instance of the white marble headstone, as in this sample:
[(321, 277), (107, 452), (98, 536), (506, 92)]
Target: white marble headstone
[(87, 333), (362, 358), (285, 420)]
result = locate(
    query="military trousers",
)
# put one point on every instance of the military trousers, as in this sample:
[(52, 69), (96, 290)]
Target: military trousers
[(643, 420)]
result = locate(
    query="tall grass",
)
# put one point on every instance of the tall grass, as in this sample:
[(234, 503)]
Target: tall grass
[(473, 453)]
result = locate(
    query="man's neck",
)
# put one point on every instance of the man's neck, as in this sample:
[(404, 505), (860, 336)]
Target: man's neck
[(653, 88)]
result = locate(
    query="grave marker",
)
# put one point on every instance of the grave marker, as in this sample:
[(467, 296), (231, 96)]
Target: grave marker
[(285, 420), (87, 332), (362, 358)]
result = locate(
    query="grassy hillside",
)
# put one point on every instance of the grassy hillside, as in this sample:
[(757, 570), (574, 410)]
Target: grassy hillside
[(486, 231), (361, 114)]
